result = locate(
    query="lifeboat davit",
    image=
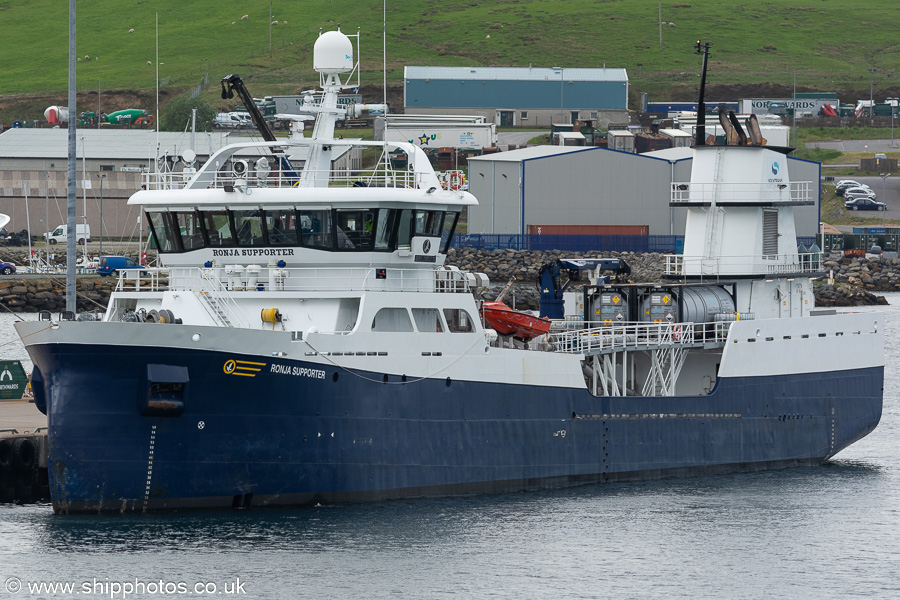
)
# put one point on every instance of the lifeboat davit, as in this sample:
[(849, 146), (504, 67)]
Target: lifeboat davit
[(513, 322)]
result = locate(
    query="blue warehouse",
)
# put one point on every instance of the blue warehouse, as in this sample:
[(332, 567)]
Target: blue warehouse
[(519, 96)]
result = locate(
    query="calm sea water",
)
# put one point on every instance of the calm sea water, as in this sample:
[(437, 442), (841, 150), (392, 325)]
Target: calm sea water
[(821, 532)]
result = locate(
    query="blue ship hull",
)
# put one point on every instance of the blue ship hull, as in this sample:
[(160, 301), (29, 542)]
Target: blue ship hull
[(274, 438)]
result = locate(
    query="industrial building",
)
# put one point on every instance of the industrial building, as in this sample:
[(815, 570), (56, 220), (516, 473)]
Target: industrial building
[(34, 164), (519, 96), (557, 189)]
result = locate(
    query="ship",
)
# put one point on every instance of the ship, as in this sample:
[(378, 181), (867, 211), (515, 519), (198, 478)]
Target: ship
[(304, 341)]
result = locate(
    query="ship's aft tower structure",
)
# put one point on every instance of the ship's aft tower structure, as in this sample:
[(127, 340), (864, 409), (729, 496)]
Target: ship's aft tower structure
[(740, 215)]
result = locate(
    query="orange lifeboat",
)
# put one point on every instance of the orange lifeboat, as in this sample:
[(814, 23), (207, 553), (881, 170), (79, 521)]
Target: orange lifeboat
[(513, 322)]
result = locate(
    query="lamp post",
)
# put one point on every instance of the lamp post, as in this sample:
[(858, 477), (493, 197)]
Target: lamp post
[(884, 177), (101, 177), (561, 93)]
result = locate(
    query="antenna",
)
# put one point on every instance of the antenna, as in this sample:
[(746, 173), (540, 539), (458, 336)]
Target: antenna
[(701, 107), (384, 49)]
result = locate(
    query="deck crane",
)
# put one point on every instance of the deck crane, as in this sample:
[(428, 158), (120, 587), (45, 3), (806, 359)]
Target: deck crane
[(233, 83)]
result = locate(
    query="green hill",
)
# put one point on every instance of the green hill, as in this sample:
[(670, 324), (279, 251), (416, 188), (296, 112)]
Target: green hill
[(831, 44)]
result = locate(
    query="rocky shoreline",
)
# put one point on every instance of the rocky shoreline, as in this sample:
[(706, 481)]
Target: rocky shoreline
[(855, 279)]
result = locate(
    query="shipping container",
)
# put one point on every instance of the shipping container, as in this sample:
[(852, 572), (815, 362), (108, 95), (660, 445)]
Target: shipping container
[(620, 140), (589, 229), (648, 142), (678, 138), (446, 159)]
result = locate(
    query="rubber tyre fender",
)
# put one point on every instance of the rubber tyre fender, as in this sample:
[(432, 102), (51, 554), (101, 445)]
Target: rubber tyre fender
[(6, 450), (24, 455)]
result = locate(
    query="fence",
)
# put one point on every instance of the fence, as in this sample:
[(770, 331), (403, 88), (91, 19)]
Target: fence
[(583, 243), (570, 243)]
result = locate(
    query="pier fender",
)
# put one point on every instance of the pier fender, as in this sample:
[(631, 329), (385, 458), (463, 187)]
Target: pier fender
[(164, 391), (23, 455), (6, 450), (39, 390)]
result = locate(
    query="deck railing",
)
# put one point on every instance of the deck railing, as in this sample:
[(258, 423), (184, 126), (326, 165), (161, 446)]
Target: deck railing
[(639, 336), (795, 192), (275, 178), (679, 265), (239, 279)]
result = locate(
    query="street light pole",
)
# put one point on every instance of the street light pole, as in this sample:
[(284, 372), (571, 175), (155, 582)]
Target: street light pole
[(101, 177), (884, 177)]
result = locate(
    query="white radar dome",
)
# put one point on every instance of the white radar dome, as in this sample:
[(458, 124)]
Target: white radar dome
[(333, 53)]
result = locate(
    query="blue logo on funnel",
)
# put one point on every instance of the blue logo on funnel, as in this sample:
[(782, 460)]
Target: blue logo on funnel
[(774, 168)]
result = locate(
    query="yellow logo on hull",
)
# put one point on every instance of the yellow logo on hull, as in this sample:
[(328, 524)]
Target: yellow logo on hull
[(244, 368)]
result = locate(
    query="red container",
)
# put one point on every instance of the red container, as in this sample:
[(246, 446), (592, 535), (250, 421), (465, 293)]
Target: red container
[(589, 229)]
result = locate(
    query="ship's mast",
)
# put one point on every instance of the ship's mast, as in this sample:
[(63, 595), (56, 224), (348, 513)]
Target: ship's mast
[(701, 106)]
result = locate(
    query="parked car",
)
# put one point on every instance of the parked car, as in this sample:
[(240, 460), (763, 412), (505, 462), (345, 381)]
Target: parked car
[(111, 265), (844, 185), (859, 192), (864, 204), (7, 268)]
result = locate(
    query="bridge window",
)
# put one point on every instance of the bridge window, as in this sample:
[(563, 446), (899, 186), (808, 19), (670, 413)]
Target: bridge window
[(218, 228), (189, 227), (450, 219), (164, 231), (248, 227), (405, 230), (281, 227), (315, 228), (384, 228), (428, 222), (354, 228)]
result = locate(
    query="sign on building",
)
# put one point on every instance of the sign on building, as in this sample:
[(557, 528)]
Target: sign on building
[(13, 380)]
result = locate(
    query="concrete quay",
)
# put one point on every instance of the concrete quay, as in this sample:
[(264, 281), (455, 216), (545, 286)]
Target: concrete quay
[(23, 453)]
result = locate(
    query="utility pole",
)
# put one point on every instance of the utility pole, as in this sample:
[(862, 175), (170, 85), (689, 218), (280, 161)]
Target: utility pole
[(660, 23), (270, 28), (71, 196)]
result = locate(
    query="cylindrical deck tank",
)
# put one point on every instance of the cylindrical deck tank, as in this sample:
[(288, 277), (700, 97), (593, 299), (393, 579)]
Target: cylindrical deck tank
[(609, 308), (659, 306), (700, 304)]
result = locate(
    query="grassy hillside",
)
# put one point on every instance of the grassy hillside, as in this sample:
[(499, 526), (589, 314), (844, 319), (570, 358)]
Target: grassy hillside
[(832, 44)]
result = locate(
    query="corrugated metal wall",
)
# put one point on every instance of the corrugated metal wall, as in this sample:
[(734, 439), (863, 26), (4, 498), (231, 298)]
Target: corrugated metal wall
[(599, 186), (571, 95), (595, 187)]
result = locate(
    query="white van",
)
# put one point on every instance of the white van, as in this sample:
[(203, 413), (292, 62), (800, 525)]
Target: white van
[(231, 120), (59, 235)]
